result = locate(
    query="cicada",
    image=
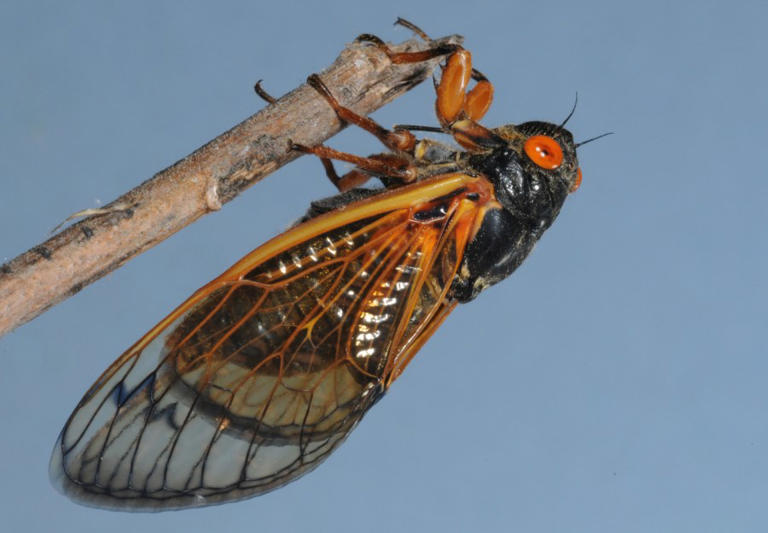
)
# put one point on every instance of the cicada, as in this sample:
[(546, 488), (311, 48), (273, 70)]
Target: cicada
[(263, 372)]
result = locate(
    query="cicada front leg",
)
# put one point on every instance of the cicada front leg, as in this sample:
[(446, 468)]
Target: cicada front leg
[(458, 108)]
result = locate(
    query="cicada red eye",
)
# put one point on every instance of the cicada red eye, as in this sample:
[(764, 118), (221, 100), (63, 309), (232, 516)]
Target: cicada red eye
[(544, 151)]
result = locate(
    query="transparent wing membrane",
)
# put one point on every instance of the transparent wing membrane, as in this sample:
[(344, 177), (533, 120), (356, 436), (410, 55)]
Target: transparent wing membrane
[(262, 373)]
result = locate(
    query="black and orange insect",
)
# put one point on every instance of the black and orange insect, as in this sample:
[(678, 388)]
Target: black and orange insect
[(262, 373)]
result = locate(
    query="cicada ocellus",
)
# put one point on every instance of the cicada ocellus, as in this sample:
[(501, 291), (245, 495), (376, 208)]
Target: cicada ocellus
[(264, 371)]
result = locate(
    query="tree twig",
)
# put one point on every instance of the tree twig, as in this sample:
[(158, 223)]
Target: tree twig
[(362, 78)]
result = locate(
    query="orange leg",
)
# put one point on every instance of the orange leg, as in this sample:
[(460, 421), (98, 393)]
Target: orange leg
[(452, 90), (357, 177), (350, 180), (386, 165), (479, 99), (458, 109), (453, 101), (410, 57), (394, 140)]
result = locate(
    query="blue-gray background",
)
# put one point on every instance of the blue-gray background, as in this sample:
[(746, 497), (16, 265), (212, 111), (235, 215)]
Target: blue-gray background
[(615, 383)]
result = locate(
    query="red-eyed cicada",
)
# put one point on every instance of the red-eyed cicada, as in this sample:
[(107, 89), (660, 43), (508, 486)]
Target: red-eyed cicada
[(263, 372)]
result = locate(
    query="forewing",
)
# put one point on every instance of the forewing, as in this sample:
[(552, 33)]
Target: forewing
[(263, 372)]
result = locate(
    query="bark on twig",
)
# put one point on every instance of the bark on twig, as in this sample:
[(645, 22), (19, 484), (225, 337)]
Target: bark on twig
[(362, 78)]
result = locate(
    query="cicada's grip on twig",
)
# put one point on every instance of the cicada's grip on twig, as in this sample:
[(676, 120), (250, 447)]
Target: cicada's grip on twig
[(201, 182)]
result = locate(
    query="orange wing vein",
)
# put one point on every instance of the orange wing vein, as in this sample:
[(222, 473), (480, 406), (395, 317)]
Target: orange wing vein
[(264, 371)]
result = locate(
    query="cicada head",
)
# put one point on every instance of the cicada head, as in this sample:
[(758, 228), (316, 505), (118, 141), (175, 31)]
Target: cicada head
[(534, 171)]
